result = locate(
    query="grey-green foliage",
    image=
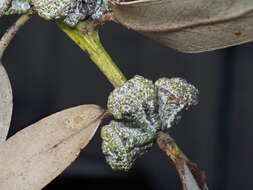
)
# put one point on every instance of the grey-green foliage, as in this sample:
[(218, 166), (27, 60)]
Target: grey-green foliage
[(147, 108)]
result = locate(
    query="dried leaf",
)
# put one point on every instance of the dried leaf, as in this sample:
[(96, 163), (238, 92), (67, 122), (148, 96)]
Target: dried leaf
[(5, 104), (37, 154), (189, 25)]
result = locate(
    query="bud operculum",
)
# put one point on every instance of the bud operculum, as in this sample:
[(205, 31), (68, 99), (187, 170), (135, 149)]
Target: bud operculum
[(132, 99), (175, 95), (122, 144)]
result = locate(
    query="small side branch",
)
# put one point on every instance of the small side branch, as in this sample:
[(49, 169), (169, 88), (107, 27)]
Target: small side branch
[(191, 177), (10, 33)]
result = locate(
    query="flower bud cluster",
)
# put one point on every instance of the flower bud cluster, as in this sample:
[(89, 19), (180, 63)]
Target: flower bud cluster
[(143, 108), (69, 11)]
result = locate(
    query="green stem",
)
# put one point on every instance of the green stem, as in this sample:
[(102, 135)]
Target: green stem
[(91, 44), (10, 33)]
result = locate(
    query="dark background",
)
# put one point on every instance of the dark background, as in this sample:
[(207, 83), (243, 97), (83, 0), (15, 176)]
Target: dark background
[(49, 73)]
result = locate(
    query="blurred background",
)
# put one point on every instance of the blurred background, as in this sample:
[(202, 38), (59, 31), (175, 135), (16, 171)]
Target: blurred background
[(49, 73)]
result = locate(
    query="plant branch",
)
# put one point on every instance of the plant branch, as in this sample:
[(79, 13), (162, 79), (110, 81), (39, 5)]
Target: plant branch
[(90, 42), (87, 39), (10, 33), (182, 163)]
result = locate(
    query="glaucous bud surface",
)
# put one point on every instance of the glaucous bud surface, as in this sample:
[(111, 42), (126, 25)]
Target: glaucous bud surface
[(70, 11), (133, 99), (147, 108), (4, 5), (174, 96), (177, 90), (122, 144), (18, 7), (61, 9)]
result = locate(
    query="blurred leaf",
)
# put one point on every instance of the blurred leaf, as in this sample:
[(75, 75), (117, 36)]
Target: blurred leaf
[(189, 25), (193, 177), (5, 104), (37, 154), (189, 183)]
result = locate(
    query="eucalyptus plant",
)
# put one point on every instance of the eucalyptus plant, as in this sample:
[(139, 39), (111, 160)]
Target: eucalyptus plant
[(143, 111)]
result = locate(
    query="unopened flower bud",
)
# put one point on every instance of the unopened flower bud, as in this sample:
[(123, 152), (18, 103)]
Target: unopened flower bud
[(174, 96), (133, 99), (122, 144), (70, 11), (18, 7)]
